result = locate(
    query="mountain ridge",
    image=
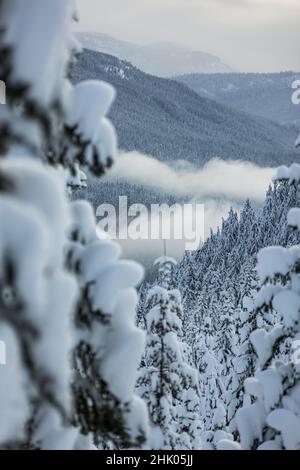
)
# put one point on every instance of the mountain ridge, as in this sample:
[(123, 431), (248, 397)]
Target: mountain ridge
[(169, 121), (264, 95), (161, 59)]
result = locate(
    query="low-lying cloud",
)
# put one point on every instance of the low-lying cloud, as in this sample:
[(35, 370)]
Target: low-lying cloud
[(219, 185), (234, 180)]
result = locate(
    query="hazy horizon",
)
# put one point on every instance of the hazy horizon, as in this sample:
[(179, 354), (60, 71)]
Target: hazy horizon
[(247, 35)]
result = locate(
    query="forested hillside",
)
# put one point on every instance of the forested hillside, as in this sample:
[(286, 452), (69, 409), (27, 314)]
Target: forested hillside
[(166, 119), (259, 94), (231, 328)]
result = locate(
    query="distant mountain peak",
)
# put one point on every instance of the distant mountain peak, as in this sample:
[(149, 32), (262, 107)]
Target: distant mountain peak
[(163, 59)]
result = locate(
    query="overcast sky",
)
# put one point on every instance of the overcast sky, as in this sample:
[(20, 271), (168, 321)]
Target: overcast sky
[(248, 35)]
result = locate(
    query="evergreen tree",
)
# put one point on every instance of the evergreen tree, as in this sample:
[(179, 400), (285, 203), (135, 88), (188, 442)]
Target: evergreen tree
[(225, 336), (167, 383), (244, 360), (104, 317), (48, 122), (218, 433), (212, 387), (141, 306)]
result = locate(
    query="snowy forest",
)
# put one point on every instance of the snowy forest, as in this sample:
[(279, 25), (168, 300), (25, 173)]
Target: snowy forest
[(93, 354)]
